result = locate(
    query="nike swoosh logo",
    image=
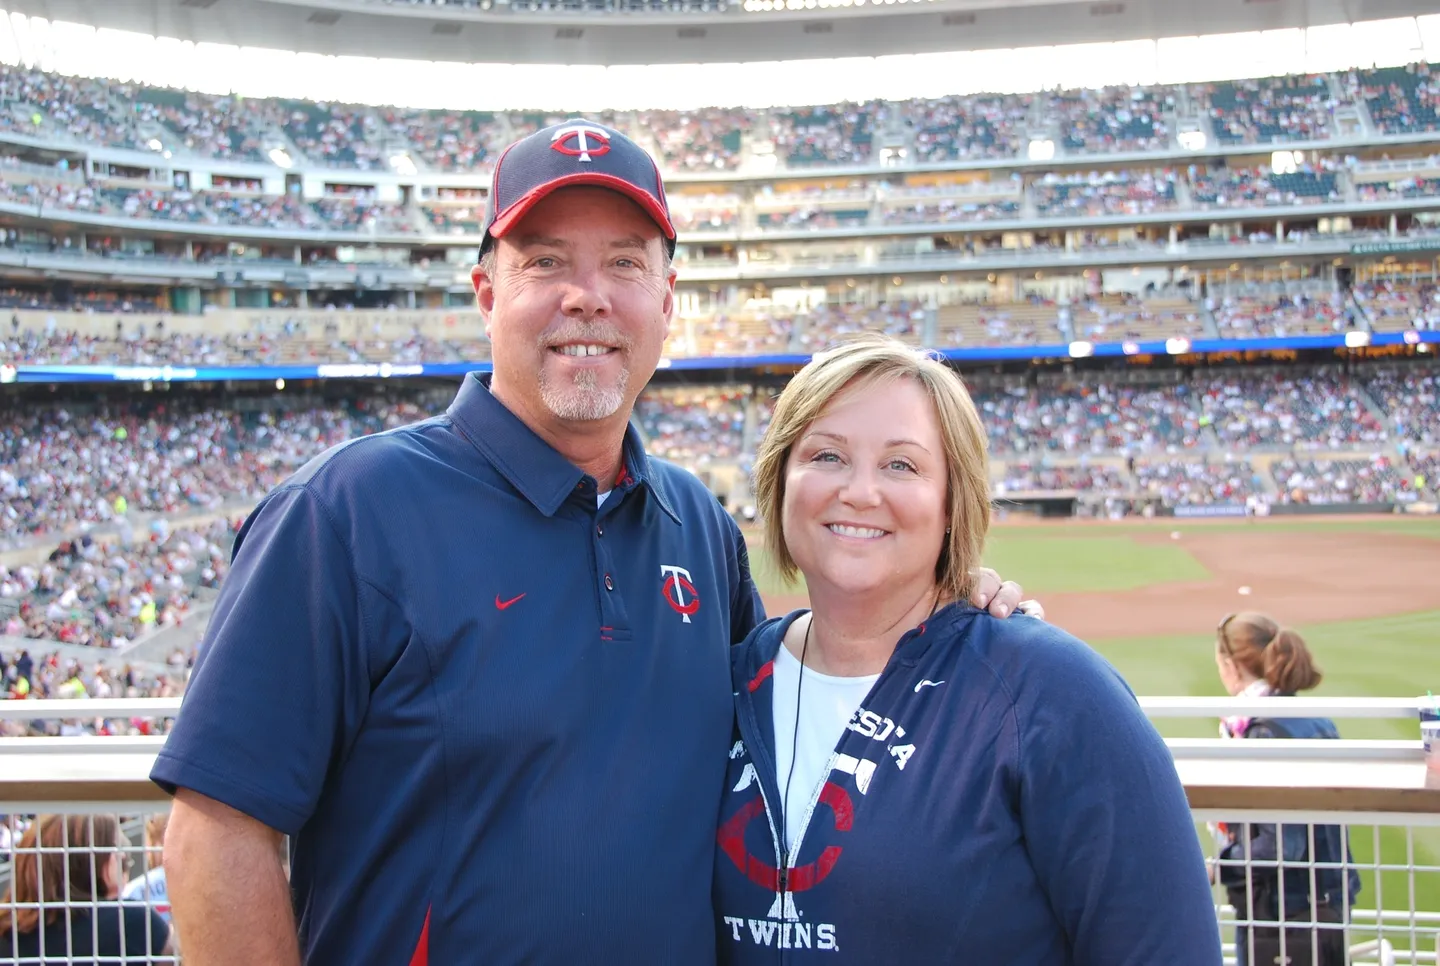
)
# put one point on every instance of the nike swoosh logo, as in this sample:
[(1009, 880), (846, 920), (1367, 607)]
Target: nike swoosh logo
[(927, 683), (502, 604)]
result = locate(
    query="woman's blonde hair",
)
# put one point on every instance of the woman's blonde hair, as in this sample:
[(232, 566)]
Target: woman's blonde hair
[(1264, 649), (864, 361), (59, 858)]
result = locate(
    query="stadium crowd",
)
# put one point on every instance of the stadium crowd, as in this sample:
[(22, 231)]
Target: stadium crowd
[(39, 672), (63, 468), (1295, 108), (96, 593), (1319, 411), (109, 488), (295, 345), (1327, 481), (1100, 420)]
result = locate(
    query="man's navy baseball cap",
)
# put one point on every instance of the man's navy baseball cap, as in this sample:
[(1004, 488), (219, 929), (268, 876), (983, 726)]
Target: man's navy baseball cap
[(577, 152)]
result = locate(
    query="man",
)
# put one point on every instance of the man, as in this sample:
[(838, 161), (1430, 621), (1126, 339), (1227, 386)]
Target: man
[(477, 667)]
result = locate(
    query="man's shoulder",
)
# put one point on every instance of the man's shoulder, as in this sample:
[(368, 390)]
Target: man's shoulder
[(364, 458)]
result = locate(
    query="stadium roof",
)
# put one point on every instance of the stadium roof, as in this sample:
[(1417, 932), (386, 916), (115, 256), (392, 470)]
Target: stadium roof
[(505, 34)]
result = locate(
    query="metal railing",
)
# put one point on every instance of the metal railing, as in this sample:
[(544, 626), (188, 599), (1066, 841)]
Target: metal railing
[(1376, 799)]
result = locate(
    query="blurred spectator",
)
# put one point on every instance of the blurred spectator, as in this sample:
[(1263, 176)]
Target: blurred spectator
[(1319, 411), (1102, 419), (1411, 398), (1291, 108), (1375, 480), (694, 425)]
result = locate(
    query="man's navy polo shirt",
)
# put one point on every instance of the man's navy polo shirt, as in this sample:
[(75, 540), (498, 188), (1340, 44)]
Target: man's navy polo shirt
[(494, 719)]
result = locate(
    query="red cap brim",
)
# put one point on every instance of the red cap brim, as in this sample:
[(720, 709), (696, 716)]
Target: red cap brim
[(651, 206)]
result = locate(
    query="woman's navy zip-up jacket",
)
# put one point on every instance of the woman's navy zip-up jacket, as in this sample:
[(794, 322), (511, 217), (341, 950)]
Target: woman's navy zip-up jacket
[(999, 799)]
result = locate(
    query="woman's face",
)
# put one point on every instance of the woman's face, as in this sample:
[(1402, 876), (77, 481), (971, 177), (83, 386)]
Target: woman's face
[(865, 505)]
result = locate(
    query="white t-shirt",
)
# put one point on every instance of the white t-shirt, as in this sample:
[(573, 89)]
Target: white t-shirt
[(827, 704)]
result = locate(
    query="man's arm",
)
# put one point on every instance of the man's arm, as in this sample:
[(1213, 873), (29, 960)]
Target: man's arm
[(228, 893)]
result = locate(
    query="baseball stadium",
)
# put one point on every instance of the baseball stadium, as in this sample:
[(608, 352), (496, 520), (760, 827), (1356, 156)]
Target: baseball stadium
[(1185, 259)]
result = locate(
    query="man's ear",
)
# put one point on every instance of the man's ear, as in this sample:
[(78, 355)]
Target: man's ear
[(484, 287), (670, 301)]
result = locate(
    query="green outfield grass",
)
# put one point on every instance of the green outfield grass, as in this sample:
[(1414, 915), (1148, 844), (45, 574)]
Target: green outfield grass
[(1051, 562)]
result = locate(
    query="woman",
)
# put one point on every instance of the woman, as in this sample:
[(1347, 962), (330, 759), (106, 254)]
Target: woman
[(71, 882), (1257, 657), (945, 787)]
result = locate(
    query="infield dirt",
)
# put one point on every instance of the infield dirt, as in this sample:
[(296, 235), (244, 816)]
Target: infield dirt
[(1315, 575)]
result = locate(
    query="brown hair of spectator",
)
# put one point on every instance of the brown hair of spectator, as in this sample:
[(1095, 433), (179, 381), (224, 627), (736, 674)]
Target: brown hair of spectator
[(155, 839), (82, 846), (1262, 648)]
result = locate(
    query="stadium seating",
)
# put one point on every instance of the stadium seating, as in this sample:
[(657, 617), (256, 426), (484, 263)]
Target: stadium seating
[(836, 134), (1341, 481), (1101, 420), (1021, 477), (1401, 100), (1110, 193), (953, 128), (1186, 483), (694, 426), (108, 595), (705, 140), (299, 346), (1397, 306), (1411, 399), (1221, 187), (1314, 411), (1112, 119), (1397, 189), (1316, 313), (1018, 323), (1294, 108), (1119, 318), (963, 128), (828, 324)]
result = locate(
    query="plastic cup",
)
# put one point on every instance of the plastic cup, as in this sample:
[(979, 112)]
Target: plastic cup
[(1430, 736)]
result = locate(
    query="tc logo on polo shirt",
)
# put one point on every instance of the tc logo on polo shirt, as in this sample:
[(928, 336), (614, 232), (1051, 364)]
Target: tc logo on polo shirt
[(680, 593)]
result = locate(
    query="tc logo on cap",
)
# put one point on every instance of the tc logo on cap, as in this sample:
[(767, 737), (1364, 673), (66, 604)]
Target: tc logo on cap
[(587, 140)]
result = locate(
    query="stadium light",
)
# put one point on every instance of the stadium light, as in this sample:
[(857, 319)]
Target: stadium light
[(1042, 149), (281, 158), (1283, 162), (1192, 140)]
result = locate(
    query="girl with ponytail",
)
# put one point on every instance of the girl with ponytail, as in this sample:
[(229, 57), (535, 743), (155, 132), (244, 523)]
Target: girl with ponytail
[(1256, 657)]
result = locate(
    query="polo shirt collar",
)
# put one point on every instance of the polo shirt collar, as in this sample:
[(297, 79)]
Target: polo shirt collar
[(535, 468)]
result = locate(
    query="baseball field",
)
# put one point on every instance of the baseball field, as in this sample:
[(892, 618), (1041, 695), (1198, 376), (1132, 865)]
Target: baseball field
[(1364, 591)]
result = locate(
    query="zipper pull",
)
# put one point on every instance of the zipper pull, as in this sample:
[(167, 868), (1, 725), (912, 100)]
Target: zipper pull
[(784, 875)]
